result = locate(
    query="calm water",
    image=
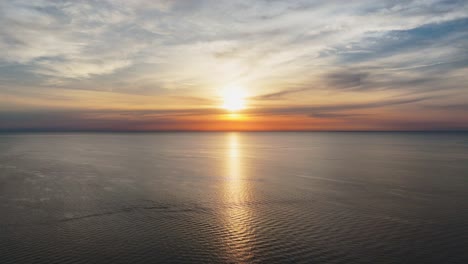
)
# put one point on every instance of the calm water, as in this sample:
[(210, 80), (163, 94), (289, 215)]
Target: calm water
[(234, 198)]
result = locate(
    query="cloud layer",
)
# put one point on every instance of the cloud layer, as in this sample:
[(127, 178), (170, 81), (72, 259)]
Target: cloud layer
[(305, 64)]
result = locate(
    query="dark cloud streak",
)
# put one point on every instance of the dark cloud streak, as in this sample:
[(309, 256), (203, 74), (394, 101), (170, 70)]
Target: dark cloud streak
[(280, 95)]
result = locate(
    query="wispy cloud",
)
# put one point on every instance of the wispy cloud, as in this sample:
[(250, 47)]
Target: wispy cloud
[(290, 55), (280, 94)]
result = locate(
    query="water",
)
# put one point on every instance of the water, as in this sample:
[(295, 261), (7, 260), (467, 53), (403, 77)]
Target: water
[(234, 198)]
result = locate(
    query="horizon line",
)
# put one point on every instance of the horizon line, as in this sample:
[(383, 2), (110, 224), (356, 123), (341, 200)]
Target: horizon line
[(228, 131)]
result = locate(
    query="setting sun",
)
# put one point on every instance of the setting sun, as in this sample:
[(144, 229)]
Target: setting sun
[(233, 131), (233, 98)]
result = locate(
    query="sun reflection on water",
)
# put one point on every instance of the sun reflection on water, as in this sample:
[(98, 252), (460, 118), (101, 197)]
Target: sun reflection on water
[(238, 214)]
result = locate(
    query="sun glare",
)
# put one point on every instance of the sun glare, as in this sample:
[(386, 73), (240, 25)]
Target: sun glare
[(233, 98)]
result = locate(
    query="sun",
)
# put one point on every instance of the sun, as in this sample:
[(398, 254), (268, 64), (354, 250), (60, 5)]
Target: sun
[(233, 98)]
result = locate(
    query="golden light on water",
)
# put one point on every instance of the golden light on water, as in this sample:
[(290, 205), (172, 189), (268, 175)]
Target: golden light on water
[(238, 214)]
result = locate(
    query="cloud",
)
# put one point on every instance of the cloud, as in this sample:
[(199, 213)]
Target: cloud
[(346, 79), (336, 115), (430, 36), (333, 109), (280, 94), (172, 118), (462, 107), (295, 52)]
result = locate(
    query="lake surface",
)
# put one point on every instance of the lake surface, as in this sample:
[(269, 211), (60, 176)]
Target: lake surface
[(234, 198)]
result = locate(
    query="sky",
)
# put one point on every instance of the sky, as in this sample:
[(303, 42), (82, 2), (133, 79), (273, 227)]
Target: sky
[(300, 65)]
